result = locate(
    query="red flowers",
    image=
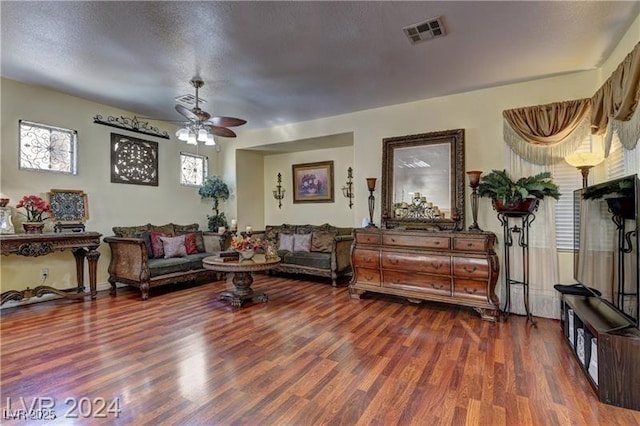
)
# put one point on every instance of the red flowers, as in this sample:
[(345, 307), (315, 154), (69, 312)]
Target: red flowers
[(35, 207)]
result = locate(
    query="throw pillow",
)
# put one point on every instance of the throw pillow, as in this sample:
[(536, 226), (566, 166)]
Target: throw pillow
[(322, 241), (199, 239), (167, 229), (190, 243), (173, 246), (302, 242), (146, 237), (286, 242), (129, 231), (156, 244)]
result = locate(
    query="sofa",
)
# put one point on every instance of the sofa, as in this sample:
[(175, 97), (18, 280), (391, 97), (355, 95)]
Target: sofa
[(320, 250), (148, 256)]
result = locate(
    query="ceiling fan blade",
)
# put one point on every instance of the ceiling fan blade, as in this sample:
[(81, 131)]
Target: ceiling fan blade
[(222, 131), (202, 115), (186, 112), (225, 121)]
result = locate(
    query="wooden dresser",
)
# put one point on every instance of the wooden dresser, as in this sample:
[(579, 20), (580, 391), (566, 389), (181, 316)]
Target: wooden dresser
[(453, 267)]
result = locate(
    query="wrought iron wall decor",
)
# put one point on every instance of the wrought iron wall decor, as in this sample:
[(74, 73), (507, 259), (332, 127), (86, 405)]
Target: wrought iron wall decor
[(133, 161), (131, 124), (278, 193), (347, 190)]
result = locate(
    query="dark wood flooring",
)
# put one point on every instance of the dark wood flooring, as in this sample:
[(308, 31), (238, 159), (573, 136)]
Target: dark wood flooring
[(309, 356)]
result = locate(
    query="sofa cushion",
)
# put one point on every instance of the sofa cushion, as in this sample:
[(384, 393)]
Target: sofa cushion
[(302, 242), (130, 231), (183, 229), (195, 260), (310, 259), (159, 267), (167, 229), (173, 246), (322, 241), (190, 243)]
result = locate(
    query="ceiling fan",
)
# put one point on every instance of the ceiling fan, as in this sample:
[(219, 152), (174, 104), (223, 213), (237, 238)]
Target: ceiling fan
[(202, 126)]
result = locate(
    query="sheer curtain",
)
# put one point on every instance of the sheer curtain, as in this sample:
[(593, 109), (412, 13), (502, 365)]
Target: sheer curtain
[(543, 259)]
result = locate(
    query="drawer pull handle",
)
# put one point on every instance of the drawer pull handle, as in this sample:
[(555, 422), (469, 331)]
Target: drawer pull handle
[(368, 277), (393, 240), (367, 259), (471, 291), (436, 265), (439, 287), (469, 244), (436, 243), (469, 270), (394, 261)]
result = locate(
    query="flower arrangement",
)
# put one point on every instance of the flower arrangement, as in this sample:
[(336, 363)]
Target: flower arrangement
[(35, 207), (240, 243)]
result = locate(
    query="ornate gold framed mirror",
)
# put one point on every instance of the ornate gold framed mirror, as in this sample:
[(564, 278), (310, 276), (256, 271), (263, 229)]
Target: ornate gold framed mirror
[(423, 181)]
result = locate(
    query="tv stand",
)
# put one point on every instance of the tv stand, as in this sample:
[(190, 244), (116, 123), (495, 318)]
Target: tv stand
[(616, 374)]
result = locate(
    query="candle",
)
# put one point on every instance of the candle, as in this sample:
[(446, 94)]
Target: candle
[(416, 195), (424, 199), (221, 230), (248, 229), (234, 222), (429, 204)]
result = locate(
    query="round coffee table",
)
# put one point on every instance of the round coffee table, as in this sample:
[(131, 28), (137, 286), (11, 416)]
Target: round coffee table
[(242, 277)]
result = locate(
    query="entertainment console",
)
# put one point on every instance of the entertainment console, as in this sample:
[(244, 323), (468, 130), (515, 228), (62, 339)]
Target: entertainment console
[(451, 267), (606, 346)]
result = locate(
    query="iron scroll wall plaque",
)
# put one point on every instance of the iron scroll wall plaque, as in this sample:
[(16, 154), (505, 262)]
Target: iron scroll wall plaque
[(131, 124)]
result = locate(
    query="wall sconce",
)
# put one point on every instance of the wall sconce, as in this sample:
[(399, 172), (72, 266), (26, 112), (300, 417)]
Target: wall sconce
[(584, 161), (347, 190), (278, 193), (371, 186)]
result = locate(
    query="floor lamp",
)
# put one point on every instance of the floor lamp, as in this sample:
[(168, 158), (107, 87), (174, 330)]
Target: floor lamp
[(584, 161)]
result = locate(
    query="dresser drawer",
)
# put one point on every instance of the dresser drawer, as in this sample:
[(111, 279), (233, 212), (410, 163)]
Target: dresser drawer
[(470, 289), (428, 242), (433, 284), (366, 258), (363, 238), (470, 267), (417, 262), (470, 244), (368, 276)]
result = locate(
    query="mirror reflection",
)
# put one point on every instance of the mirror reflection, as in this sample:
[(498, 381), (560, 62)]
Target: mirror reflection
[(423, 181)]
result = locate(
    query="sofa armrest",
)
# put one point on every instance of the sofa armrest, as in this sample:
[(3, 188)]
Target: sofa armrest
[(129, 260), (343, 251)]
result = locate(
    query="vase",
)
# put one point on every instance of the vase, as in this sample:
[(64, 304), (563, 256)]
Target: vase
[(526, 205), (33, 227), (246, 254), (6, 225)]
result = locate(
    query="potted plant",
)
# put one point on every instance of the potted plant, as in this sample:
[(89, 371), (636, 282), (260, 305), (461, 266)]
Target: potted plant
[(35, 208), (619, 195), (517, 196), (214, 187)]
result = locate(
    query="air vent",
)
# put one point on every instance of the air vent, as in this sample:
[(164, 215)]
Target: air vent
[(189, 100), (431, 28)]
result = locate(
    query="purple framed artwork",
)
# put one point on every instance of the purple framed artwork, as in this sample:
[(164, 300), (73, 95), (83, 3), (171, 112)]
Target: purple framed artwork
[(313, 182)]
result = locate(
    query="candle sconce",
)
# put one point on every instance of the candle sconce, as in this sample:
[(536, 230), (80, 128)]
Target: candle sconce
[(278, 193), (347, 190)]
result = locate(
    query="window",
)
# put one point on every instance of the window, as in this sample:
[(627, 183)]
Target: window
[(47, 148), (193, 169)]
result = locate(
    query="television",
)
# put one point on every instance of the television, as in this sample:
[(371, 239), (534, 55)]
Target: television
[(606, 243)]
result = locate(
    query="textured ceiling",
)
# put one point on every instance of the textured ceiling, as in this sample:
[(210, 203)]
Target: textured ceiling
[(280, 62)]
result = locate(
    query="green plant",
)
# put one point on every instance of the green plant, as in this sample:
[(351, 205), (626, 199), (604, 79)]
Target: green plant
[(624, 187), (498, 186), (214, 187)]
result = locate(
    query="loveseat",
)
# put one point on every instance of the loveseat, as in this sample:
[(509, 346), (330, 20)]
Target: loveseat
[(149, 256), (321, 250)]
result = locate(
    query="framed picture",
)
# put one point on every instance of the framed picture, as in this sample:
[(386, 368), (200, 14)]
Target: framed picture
[(69, 209), (313, 182), (133, 160)]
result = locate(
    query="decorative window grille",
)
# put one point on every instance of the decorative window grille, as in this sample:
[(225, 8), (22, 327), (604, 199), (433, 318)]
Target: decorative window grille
[(47, 148), (193, 169)]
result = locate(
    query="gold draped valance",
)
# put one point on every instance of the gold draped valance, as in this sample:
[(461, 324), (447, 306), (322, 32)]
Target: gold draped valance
[(545, 134)]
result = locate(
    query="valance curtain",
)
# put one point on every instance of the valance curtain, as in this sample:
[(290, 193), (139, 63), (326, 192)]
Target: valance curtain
[(545, 134), (615, 105)]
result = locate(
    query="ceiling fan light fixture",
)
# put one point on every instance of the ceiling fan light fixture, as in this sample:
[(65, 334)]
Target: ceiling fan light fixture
[(182, 134), (210, 140), (202, 135), (192, 139)]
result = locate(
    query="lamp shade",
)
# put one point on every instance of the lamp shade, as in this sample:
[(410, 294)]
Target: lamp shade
[(210, 140), (202, 135), (584, 159), (182, 134)]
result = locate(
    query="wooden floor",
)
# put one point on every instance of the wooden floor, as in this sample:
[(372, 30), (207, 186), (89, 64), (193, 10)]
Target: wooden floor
[(309, 356)]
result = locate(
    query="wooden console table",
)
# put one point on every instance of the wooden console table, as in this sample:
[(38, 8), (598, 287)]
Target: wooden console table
[(82, 244)]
